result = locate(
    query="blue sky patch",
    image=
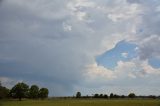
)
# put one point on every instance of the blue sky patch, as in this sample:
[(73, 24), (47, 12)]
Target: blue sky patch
[(154, 62), (123, 51)]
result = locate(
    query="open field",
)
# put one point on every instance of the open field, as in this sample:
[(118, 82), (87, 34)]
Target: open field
[(73, 102)]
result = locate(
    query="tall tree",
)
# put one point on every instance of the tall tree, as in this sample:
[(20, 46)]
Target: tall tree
[(96, 95), (34, 91), (101, 96), (4, 92), (78, 94), (20, 90), (105, 96), (111, 95), (43, 93), (131, 95)]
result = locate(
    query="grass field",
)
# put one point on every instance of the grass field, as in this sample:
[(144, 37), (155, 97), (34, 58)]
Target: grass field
[(81, 103)]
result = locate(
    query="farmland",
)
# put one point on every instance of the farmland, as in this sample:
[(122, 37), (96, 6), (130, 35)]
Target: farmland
[(81, 102)]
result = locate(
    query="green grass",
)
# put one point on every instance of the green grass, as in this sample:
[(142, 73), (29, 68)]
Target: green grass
[(73, 102)]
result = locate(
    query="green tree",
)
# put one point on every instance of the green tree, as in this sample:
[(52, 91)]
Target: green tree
[(96, 95), (116, 96), (4, 92), (43, 93), (78, 95), (111, 95), (20, 90), (105, 96), (101, 96), (34, 91), (131, 95)]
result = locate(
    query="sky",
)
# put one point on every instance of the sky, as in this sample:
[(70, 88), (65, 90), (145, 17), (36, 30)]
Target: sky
[(91, 46)]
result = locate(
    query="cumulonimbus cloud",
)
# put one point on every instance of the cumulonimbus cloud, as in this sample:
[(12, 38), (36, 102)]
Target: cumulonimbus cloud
[(54, 43)]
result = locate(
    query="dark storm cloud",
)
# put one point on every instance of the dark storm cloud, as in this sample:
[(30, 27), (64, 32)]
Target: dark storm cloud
[(32, 46)]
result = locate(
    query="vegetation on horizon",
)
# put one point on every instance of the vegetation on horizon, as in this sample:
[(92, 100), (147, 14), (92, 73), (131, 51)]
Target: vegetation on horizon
[(22, 90)]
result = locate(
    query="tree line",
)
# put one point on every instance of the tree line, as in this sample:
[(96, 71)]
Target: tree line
[(22, 90), (116, 96)]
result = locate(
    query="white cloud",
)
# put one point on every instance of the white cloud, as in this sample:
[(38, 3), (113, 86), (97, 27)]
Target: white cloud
[(77, 8), (125, 73), (131, 75), (124, 12), (148, 69), (67, 27), (8, 82), (94, 71), (78, 4), (149, 47), (137, 71), (125, 55)]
